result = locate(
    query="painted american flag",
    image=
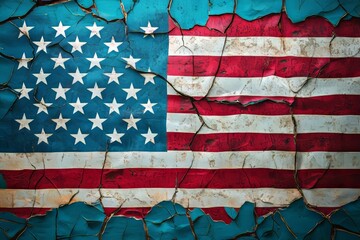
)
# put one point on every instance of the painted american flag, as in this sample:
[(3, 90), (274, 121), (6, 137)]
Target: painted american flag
[(133, 114)]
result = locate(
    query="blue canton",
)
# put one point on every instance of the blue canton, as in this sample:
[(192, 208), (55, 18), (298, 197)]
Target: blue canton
[(85, 84)]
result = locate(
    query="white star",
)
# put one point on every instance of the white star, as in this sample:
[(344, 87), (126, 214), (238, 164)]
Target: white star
[(79, 137), (43, 137), (149, 136), (148, 106), (114, 106), (59, 61), (24, 122), (60, 122), (77, 76), (113, 76), (23, 61), (97, 122), (60, 30), (96, 91), (42, 106), (113, 46), (76, 46), (78, 106), (95, 30), (41, 76), (41, 45), (131, 92), (60, 92), (24, 91), (131, 122), (95, 61), (24, 30), (130, 61), (149, 77), (149, 30), (115, 136)]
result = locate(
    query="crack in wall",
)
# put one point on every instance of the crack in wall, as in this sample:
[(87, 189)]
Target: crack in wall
[(193, 100)]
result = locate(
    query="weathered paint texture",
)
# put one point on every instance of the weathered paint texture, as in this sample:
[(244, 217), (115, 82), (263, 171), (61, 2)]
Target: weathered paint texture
[(169, 220)]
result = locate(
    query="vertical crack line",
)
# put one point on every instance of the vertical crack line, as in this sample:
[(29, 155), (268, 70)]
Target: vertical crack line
[(177, 184), (102, 173), (146, 229), (296, 173), (107, 219)]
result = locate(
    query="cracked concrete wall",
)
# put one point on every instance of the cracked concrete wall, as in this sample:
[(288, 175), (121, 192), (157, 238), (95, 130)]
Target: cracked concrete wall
[(169, 220)]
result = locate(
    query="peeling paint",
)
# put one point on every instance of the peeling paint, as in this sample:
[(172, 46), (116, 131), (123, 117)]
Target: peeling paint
[(169, 220)]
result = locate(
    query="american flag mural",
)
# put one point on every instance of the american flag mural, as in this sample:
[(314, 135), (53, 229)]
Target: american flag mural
[(134, 112)]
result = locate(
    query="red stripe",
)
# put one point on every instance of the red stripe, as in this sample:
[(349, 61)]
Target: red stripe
[(271, 25), (250, 66), (230, 142), (217, 213), (340, 105), (307, 142), (168, 178)]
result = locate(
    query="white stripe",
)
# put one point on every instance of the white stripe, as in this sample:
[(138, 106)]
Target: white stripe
[(327, 124), (265, 86), (201, 198), (250, 123), (181, 159), (264, 46)]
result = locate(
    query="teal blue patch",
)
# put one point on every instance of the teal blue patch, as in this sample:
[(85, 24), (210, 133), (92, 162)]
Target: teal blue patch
[(254, 9), (334, 16), (124, 228), (10, 225), (245, 219), (189, 13), (15, 8), (299, 10), (6, 68), (111, 9), (231, 212), (272, 227), (320, 232), (168, 220), (351, 7), (79, 220), (41, 227), (309, 219), (343, 235), (85, 3), (218, 7), (348, 217), (7, 99)]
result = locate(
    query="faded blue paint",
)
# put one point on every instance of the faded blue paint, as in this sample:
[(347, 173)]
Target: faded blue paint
[(6, 68), (218, 7), (168, 220), (348, 217), (14, 8), (299, 10), (253, 9), (124, 228), (85, 3), (7, 99), (111, 9), (351, 6), (189, 13)]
